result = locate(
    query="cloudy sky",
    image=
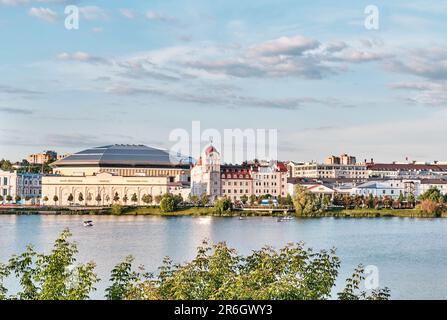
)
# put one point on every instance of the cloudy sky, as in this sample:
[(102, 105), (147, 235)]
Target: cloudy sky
[(135, 70)]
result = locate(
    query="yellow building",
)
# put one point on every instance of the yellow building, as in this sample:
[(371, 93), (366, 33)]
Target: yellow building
[(111, 174)]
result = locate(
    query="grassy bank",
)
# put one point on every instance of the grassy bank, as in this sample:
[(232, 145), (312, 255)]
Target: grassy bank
[(202, 211), (378, 213)]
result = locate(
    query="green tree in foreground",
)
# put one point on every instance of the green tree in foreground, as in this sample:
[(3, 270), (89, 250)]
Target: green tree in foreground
[(51, 276), (218, 272)]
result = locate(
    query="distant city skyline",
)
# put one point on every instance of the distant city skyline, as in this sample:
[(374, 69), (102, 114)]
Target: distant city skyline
[(135, 71)]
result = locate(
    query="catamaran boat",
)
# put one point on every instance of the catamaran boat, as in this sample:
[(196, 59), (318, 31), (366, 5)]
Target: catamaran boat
[(88, 223)]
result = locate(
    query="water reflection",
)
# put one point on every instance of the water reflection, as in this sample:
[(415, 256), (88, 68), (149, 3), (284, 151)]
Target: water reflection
[(410, 253)]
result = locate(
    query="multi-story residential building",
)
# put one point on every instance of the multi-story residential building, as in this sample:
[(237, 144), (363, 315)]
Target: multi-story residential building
[(333, 171), (381, 188), (343, 159), (29, 187), (41, 158), (406, 170), (394, 187), (235, 181), (25, 185), (8, 185)]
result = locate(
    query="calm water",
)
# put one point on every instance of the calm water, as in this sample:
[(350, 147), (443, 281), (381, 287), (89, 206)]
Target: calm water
[(411, 254)]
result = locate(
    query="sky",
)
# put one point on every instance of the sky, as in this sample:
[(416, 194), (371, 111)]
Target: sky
[(136, 70)]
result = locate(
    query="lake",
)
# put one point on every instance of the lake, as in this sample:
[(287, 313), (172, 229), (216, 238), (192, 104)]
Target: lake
[(411, 254)]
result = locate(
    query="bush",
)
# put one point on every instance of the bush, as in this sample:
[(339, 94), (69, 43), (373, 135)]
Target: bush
[(430, 207), (117, 209), (218, 272), (168, 203), (223, 205)]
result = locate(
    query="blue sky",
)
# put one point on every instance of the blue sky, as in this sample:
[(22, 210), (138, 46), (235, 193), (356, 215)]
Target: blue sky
[(135, 70)]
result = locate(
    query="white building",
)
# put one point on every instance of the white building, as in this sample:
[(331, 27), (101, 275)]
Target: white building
[(236, 182), (394, 187), (27, 186), (324, 171), (205, 175), (384, 188), (98, 176), (315, 188), (8, 186)]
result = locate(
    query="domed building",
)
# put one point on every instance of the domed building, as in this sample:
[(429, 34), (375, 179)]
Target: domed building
[(119, 173)]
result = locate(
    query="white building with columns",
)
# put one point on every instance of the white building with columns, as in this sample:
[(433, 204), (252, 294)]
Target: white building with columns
[(115, 174)]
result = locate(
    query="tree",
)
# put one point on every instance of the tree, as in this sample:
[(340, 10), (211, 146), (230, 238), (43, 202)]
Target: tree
[(70, 198), (168, 203), (98, 198), (411, 200), (89, 197), (244, 199), (55, 199), (351, 290), (433, 194), (125, 198), (204, 199), (401, 199), (219, 272), (1, 198), (147, 198), (134, 198), (252, 199), (17, 199), (8, 198), (6, 165), (45, 199), (223, 206), (116, 197), (123, 280), (158, 198), (194, 199), (80, 197), (370, 201), (305, 202), (55, 276), (430, 207)]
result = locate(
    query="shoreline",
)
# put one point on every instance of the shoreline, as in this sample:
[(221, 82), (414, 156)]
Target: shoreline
[(209, 211)]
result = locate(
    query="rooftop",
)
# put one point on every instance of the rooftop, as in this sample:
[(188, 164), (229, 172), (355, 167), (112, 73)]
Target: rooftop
[(122, 155)]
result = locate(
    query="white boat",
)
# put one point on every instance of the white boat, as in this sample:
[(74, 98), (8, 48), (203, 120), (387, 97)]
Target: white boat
[(88, 223)]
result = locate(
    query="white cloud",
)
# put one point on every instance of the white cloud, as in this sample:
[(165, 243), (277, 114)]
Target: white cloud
[(82, 57), (93, 13), (430, 93), (158, 16), (429, 63), (43, 13), (285, 46), (128, 13)]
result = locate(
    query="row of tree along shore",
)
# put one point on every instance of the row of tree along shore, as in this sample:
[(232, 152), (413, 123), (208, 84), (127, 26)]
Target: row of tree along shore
[(217, 272), (303, 204)]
